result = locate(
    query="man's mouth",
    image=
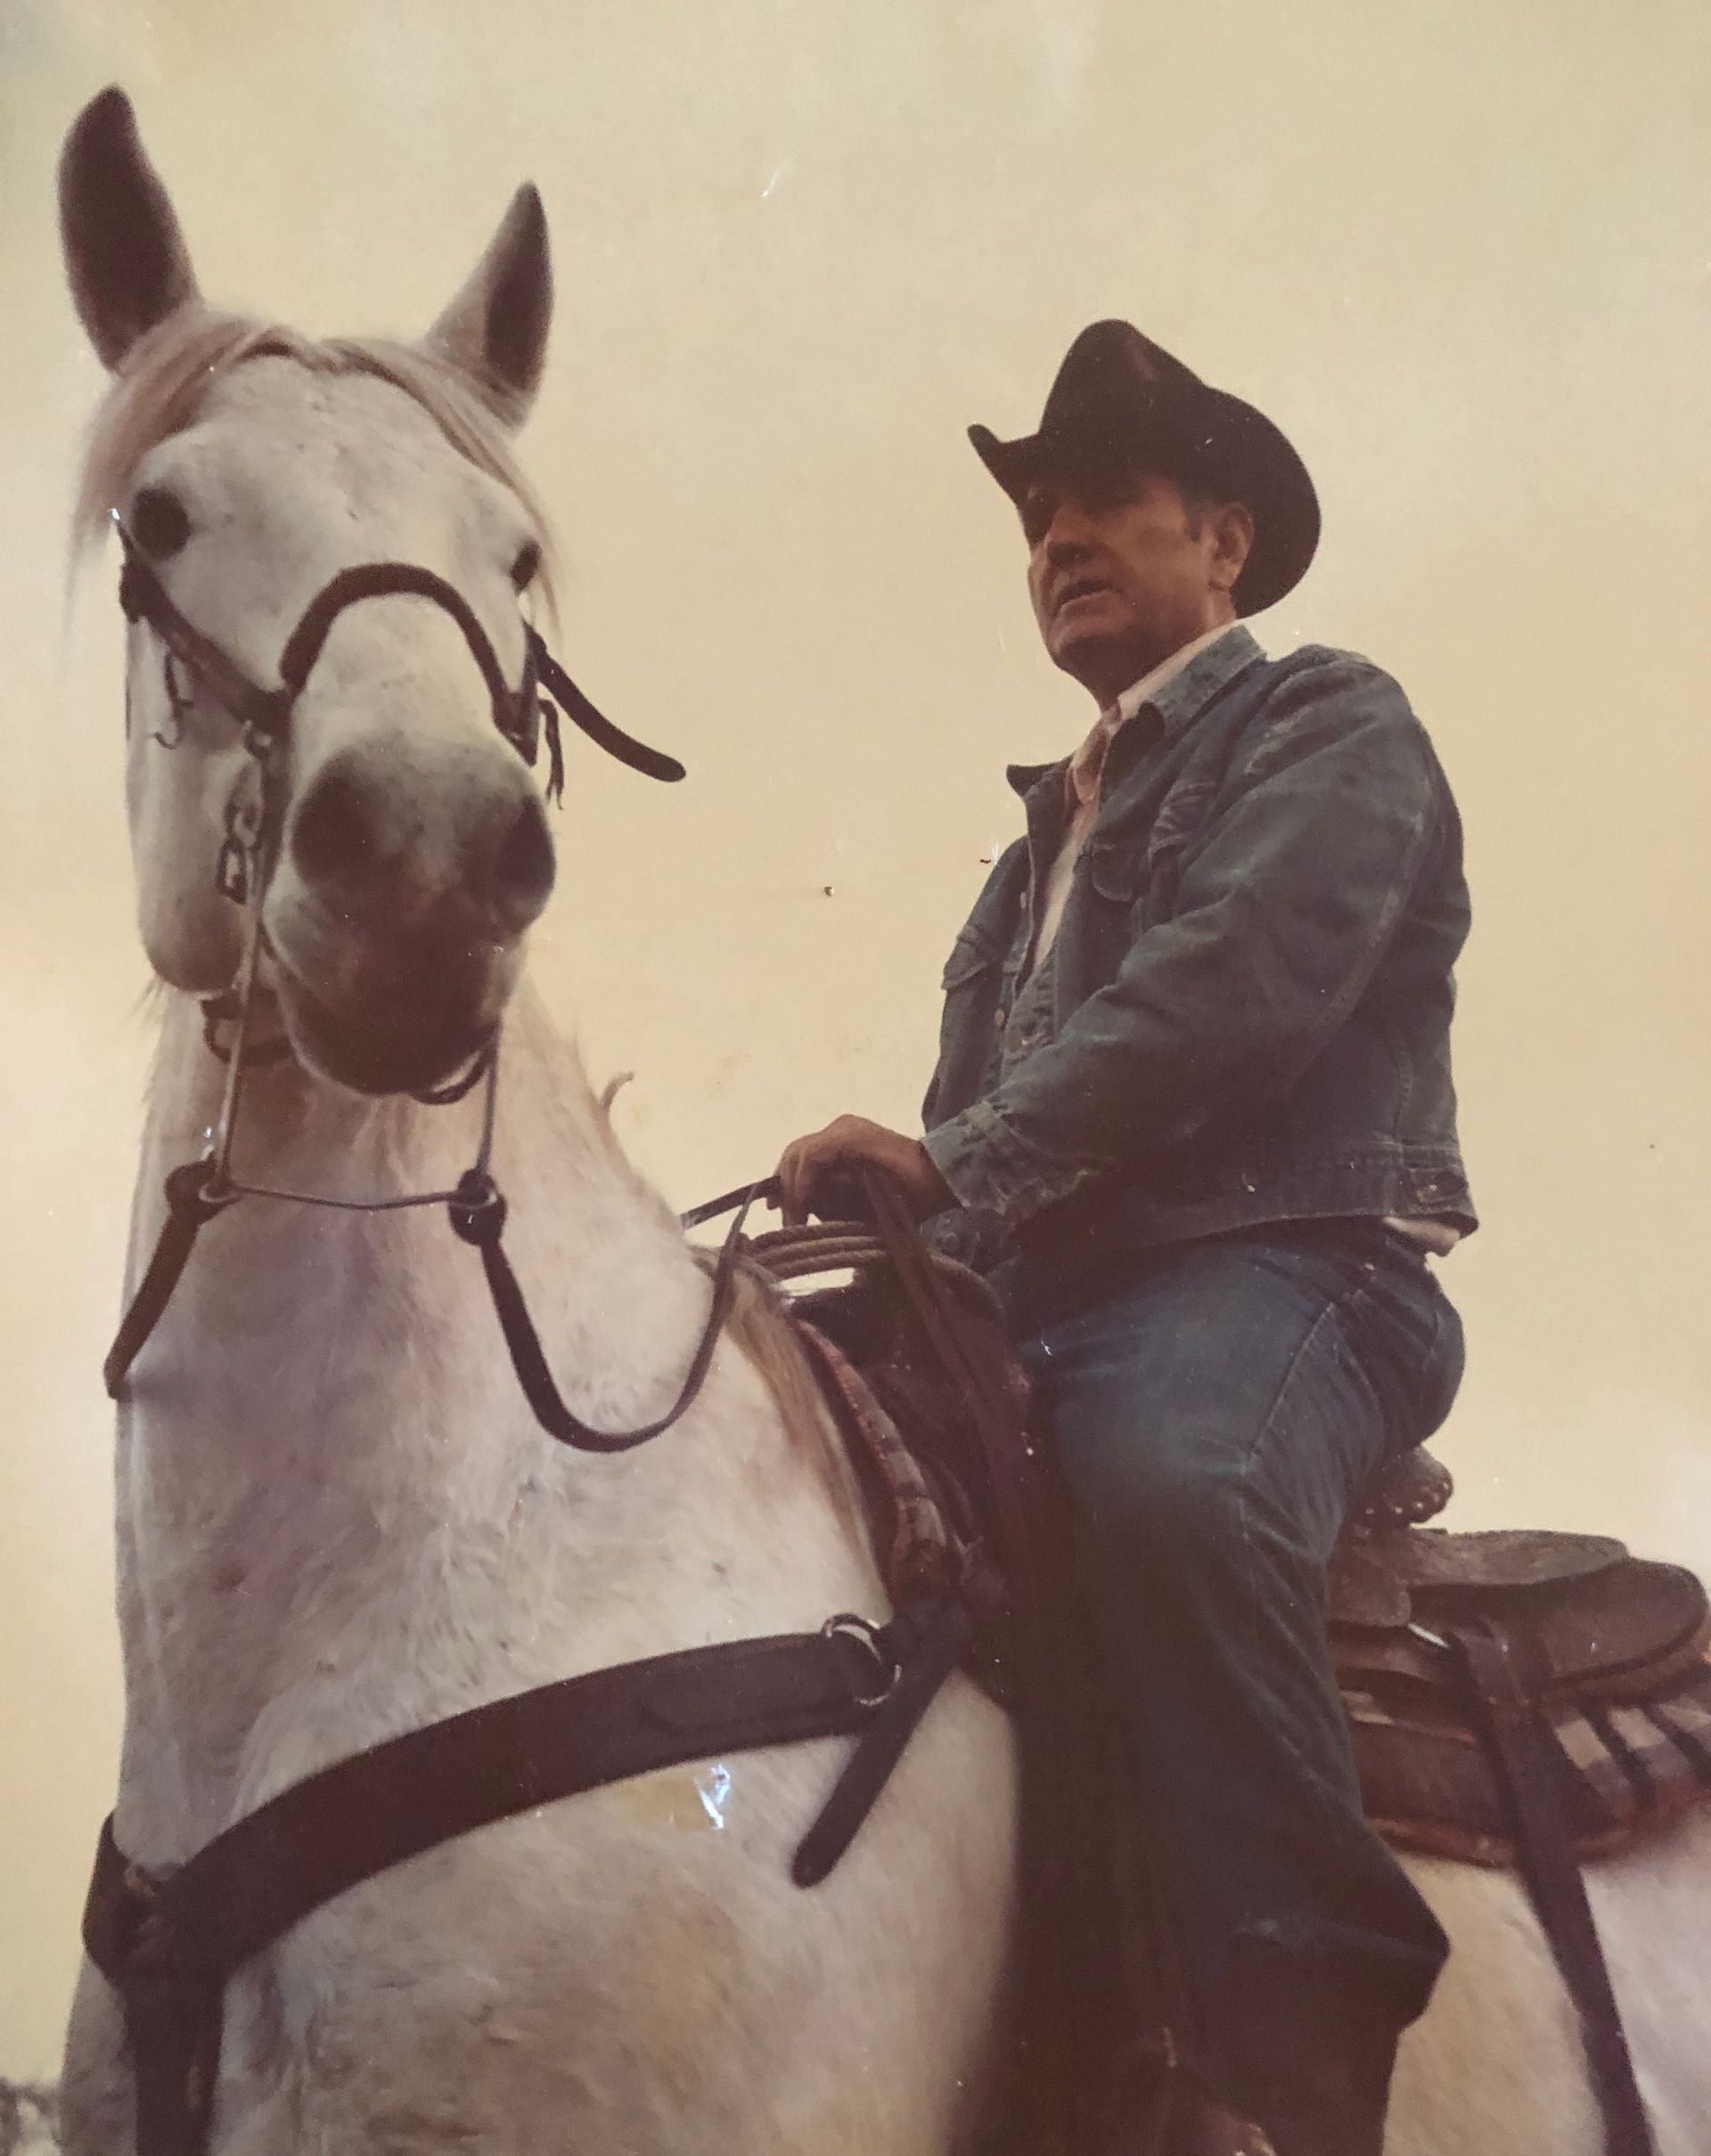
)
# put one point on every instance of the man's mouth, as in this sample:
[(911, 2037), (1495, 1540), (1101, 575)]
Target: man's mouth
[(1078, 587)]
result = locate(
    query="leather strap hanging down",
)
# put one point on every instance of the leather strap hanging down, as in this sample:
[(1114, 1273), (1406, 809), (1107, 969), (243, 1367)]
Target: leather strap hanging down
[(1523, 1751), (941, 1632), (168, 1942), (477, 1214), (652, 763), (190, 1208)]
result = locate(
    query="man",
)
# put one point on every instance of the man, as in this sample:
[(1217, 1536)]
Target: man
[(1194, 1060)]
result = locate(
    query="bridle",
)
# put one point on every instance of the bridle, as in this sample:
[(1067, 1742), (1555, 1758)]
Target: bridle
[(254, 820), (265, 714), (168, 1940)]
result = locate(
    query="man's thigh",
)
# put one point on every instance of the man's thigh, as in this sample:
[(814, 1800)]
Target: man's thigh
[(1218, 1388)]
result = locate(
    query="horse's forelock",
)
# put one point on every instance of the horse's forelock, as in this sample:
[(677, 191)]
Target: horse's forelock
[(157, 394), (173, 373)]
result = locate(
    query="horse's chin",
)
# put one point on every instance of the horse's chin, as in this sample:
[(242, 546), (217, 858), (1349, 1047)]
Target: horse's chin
[(383, 1046)]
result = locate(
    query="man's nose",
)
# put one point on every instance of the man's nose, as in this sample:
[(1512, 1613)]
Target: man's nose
[(1068, 533)]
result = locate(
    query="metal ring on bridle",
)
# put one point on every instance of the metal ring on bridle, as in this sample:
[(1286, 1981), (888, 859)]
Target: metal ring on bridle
[(847, 1624)]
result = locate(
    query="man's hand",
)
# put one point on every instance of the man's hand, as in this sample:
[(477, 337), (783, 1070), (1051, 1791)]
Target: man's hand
[(811, 1168)]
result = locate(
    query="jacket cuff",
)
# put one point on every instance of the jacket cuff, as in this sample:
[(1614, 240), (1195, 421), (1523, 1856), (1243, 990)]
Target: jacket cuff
[(989, 1166)]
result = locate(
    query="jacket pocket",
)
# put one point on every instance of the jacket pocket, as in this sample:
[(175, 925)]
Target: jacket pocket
[(971, 956), (1117, 872), (1113, 913)]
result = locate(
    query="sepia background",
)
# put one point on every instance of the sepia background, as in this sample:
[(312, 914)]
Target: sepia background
[(1461, 253)]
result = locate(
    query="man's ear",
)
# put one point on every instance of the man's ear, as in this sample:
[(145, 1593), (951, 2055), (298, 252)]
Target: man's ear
[(495, 330), (125, 255), (1231, 527)]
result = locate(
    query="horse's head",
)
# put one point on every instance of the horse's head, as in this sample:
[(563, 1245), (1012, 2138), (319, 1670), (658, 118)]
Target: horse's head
[(248, 467)]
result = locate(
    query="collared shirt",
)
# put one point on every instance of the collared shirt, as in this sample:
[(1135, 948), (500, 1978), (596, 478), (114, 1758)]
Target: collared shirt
[(1082, 779)]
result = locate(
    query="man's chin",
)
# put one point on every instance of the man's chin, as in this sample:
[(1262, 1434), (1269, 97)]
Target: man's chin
[(1097, 653)]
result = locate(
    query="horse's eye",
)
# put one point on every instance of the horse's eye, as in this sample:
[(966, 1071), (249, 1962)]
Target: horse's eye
[(526, 567), (160, 522)]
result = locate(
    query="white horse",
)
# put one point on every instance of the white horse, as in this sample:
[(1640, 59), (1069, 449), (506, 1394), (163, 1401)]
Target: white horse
[(336, 1518)]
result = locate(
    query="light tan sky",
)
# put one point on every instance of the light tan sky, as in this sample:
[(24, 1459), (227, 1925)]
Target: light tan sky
[(1461, 254)]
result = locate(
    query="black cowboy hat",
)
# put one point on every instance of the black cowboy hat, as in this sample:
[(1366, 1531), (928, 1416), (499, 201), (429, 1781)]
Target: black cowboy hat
[(1122, 401)]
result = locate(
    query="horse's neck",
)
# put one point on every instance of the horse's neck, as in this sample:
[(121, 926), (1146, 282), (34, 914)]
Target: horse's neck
[(327, 1446)]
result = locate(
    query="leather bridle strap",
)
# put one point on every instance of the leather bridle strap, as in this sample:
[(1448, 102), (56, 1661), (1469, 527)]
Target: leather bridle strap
[(195, 1194), (652, 763), (728, 1201), (267, 711), (477, 1214), (190, 1207), (198, 1190), (513, 713), (143, 598), (169, 1941)]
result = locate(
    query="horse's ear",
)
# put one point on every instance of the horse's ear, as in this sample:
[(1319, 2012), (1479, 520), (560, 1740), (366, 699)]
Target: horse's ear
[(125, 255), (495, 332)]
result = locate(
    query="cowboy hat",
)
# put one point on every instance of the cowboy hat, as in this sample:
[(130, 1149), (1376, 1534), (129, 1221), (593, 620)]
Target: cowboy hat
[(1121, 403)]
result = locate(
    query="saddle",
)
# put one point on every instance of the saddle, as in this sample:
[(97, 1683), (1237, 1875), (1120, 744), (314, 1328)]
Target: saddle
[(1603, 1655), (1525, 1699), (1516, 1698), (1431, 1632)]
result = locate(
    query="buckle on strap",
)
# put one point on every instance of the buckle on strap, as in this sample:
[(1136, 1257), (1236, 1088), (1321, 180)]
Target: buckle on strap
[(935, 1635), (868, 1636)]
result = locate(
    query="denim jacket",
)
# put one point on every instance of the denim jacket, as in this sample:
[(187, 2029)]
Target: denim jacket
[(1245, 1016)]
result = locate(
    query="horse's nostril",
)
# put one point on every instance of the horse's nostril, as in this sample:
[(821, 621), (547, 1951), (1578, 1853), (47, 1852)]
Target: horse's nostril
[(333, 839), (523, 865)]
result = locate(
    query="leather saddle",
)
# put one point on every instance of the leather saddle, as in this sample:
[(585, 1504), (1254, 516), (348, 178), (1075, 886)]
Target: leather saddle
[(1520, 1698), (1526, 1698), (1604, 1652), (916, 1406), (1431, 1631)]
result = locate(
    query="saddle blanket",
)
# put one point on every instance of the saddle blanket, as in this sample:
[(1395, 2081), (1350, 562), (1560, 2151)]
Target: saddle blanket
[(1627, 1768)]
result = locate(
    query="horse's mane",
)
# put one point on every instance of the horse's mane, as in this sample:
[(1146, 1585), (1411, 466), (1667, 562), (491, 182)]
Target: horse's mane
[(768, 1340), (169, 377)]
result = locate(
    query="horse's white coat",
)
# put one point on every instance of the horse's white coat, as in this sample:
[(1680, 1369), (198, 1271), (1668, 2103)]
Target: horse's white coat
[(337, 1521), (337, 1518), (1497, 2064)]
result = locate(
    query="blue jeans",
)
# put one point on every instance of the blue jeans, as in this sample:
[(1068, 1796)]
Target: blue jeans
[(1217, 1408)]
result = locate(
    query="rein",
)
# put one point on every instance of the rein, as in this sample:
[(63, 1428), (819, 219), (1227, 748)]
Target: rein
[(200, 1190), (197, 1190)]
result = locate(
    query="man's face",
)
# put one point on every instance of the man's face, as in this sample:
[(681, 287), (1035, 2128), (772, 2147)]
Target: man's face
[(1123, 572)]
